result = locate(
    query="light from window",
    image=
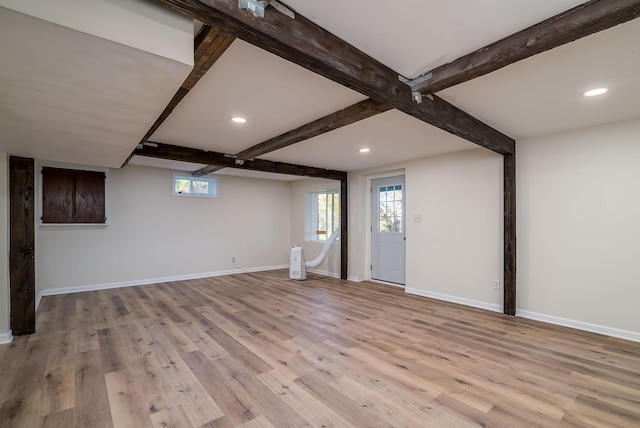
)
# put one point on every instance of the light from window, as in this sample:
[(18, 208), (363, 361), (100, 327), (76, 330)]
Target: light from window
[(391, 208), (324, 210), (185, 185)]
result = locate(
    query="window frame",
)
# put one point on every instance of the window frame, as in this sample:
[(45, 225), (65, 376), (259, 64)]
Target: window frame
[(312, 217), (210, 180)]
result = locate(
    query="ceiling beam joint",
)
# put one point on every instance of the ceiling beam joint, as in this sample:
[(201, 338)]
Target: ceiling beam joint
[(308, 45)]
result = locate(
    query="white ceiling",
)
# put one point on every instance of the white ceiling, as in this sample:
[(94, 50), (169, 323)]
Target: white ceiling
[(274, 95), (542, 95), (415, 36), (393, 137), (537, 96), (68, 96)]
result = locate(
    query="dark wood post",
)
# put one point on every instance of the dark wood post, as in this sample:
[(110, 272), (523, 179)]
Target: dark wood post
[(22, 281), (344, 227), (509, 281)]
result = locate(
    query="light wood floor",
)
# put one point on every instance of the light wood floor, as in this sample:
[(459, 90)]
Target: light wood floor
[(255, 352)]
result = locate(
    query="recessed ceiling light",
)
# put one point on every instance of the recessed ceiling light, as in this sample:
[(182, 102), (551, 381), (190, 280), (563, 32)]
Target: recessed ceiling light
[(595, 92), (238, 119), (364, 150)]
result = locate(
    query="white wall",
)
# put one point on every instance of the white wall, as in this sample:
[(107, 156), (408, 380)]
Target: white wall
[(455, 252), (331, 265), (4, 253), (579, 227), (454, 227), (152, 234)]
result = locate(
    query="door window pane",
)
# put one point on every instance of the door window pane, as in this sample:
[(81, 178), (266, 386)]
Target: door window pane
[(390, 209)]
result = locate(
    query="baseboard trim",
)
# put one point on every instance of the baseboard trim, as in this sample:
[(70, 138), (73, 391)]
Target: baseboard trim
[(324, 273), (454, 299), (391, 284), (94, 287), (580, 325), (6, 338), (550, 319), (354, 278)]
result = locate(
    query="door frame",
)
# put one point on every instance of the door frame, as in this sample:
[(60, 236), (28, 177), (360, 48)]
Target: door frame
[(370, 178)]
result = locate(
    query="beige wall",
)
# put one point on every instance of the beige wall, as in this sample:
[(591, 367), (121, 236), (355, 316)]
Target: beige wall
[(331, 265), (455, 252), (579, 226), (454, 227), (152, 234), (4, 245), (577, 217)]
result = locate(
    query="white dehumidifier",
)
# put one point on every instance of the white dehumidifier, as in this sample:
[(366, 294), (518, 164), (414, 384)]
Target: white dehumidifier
[(297, 266)]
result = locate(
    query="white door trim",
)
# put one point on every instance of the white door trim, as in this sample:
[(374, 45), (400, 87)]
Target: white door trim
[(388, 248)]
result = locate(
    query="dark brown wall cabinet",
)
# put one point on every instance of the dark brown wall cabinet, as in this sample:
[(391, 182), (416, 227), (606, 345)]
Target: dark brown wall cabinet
[(73, 196)]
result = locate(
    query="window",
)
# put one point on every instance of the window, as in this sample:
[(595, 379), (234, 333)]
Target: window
[(72, 196), (323, 218), (186, 185), (391, 208)]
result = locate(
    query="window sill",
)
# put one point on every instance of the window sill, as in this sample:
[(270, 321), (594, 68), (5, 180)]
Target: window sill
[(75, 225)]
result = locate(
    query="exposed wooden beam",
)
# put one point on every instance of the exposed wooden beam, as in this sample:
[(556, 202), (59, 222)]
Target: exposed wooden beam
[(346, 116), (573, 24), (509, 202), (209, 169), (187, 154), (304, 43), (209, 45)]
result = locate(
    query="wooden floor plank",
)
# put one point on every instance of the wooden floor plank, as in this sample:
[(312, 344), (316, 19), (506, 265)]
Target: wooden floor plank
[(315, 411), (174, 417), (261, 352), (62, 419)]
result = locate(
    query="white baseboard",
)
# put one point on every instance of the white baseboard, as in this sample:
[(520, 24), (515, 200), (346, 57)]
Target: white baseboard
[(324, 273), (565, 322), (6, 338), (392, 284), (580, 325), (354, 278), (94, 287), (453, 299)]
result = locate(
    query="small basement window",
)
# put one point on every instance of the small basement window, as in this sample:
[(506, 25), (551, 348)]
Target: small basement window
[(187, 185), (72, 196)]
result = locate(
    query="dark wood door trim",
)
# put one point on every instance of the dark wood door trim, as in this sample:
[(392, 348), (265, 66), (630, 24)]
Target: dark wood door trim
[(22, 285)]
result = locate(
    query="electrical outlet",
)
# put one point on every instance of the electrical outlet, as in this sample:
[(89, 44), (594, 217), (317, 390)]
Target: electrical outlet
[(233, 259), (496, 284)]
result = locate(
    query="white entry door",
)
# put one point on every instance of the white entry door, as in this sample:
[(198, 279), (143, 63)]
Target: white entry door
[(388, 229)]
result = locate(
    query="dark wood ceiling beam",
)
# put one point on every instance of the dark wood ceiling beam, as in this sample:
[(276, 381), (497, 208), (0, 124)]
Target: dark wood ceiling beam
[(304, 43), (187, 154), (346, 116), (209, 169), (573, 24), (209, 45)]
